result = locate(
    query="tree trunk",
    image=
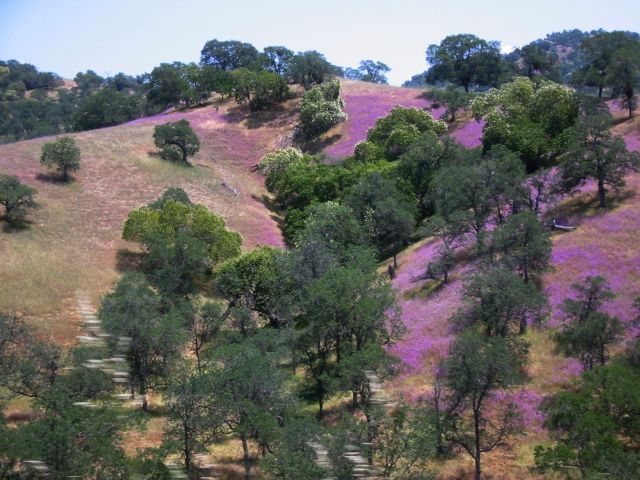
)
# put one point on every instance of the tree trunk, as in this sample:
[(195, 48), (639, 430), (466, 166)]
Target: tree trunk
[(320, 401), (600, 91), (476, 428), (602, 192), (395, 261), (245, 458), (143, 393), (523, 326), (187, 451)]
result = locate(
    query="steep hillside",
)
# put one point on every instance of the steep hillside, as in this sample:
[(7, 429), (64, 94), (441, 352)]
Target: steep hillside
[(74, 239), (605, 243)]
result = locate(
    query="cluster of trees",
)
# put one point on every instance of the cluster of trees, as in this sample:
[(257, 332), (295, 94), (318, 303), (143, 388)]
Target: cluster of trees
[(236, 69), (372, 179), (36, 103), (594, 424), (597, 61), (368, 71), (226, 369)]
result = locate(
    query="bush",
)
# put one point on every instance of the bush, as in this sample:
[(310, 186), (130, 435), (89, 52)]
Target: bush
[(16, 197), (321, 109), (176, 140), (258, 88), (275, 164), (63, 155), (395, 132)]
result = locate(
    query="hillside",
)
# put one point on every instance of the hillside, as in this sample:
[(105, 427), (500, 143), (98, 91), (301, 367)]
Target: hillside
[(74, 239), (605, 243)]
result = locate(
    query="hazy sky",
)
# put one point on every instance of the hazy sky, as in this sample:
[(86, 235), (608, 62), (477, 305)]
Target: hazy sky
[(132, 36)]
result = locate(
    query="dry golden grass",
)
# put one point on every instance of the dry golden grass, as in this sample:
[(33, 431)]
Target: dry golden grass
[(73, 240)]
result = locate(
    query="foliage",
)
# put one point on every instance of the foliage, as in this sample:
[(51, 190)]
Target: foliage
[(310, 68), (524, 244), (177, 140), (168, 85), (476, 368), (63, 434), (625, 71), (291, 456), (63, 155), (321, 109), (189, 427), (601, 53), (343, 313), (16, 198), (587, 332), (108, 107), (134, 311), (537, 60), (88, 82), (422, 160), (595, 425), (388, 215), (452, 98), (252, 281), (275, 164), (258, 88), (182, 240), (464, 60), (277, 59), (532, 119), (247, 395), (596, 153), (501, 302), (369, 71), (27, 74), (398, 130), (228, 54)]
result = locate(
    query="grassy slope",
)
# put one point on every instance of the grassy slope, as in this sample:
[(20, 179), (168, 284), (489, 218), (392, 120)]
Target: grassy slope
[(75, 237), (74, 240), (364, 104), (605, 243)]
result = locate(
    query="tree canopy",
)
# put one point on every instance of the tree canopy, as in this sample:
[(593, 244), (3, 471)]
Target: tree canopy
[(464, 60)]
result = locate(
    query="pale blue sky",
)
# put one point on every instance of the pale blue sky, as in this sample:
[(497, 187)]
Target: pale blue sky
[(108, 36)]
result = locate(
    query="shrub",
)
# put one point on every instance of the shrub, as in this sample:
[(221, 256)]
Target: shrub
[(63, 155), (16, 197), (321, 109), (176, 140)]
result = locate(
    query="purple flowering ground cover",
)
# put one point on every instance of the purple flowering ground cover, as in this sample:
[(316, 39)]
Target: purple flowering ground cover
[(364, 104), (606, 243)]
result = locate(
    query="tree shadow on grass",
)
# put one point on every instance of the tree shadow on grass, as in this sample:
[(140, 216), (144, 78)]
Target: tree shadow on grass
[(53, 178), (15, 225), (128, 261), (316, 145), (585, 205), (274, 116)]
